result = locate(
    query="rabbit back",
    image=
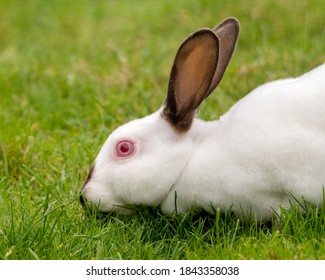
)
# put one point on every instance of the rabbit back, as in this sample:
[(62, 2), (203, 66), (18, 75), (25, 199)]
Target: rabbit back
[(267, 148)]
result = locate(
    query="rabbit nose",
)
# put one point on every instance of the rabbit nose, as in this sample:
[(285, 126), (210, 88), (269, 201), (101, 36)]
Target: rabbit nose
[(83, 200)]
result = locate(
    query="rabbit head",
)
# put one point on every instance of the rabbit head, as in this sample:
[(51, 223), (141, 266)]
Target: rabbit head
[(142, 160)]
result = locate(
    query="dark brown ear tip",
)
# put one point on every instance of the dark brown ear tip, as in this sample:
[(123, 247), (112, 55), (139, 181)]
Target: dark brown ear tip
[(230, 22), (201, 33), (235, 22)]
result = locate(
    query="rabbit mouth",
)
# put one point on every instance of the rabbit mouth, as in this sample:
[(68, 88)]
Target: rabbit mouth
[(115, 209)]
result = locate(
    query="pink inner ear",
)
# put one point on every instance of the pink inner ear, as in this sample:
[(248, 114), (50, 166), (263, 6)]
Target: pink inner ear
[(192, 75), (196, 63), (125, 148)]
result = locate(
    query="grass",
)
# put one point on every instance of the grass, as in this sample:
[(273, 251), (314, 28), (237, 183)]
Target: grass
[(72, 71)]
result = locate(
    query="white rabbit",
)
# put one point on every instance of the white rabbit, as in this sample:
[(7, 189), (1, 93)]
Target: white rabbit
[(267, 149)]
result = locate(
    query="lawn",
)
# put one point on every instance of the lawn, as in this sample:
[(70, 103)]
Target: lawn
[(73, 71)]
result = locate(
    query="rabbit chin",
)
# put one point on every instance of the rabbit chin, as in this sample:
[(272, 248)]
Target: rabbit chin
[(102, 203)]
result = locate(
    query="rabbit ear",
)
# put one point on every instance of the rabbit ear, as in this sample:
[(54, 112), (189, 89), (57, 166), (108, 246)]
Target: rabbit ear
[(227, 32), (191, 76)]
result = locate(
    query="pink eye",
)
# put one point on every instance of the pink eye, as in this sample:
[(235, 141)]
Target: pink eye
[(125, 148)]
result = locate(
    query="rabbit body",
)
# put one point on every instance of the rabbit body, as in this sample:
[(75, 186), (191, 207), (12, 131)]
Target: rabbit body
[(266, 150)]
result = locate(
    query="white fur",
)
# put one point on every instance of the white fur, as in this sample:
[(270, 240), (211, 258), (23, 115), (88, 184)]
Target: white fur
[(270, 144)]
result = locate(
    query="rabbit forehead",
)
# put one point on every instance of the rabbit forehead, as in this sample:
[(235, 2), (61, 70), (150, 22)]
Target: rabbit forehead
[(145, 129), (155, 141)]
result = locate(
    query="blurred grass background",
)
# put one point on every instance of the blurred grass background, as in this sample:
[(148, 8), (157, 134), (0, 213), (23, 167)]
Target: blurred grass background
[(72, 71)]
